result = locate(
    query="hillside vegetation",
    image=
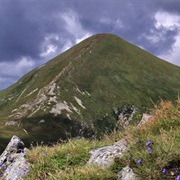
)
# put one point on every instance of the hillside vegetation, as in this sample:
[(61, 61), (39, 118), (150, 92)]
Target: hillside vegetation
[(76, 92), (153, 151)]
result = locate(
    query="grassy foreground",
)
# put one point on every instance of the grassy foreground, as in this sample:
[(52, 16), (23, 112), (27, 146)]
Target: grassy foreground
[(154, 151)]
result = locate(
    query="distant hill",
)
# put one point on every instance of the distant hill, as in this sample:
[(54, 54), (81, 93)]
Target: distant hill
[(77, 91)]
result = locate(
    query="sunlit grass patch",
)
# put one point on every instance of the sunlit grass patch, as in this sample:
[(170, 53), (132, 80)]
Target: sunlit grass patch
[(62, 158)]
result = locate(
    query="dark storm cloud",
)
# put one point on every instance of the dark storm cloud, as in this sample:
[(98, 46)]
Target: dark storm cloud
[(158, 41), (16, 33), (32, 32), (23, 27), (137, 23), (170, 6)]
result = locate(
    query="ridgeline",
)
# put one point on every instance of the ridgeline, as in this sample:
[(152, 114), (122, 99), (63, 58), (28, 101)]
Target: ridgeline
[(80, 91)]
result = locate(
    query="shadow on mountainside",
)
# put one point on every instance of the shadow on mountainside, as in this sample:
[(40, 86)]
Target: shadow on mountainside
[(45, 129), (49, 129)]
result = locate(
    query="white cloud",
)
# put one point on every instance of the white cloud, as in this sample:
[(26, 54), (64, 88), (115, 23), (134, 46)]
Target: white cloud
[(164, 22), (17, 68), (72, 23), (3, 79), (5, 82), (25, 63), (118, 24), (48, 48), (66, 46), (75, 32), (170, 21), (11, 71), (78, 40), (167, 20), (69, 43), (174, 55), (105, 20), (154, 36)]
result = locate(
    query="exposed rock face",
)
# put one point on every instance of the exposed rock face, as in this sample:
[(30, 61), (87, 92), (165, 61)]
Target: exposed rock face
[(105, 156), (13, 164), (127, 174)]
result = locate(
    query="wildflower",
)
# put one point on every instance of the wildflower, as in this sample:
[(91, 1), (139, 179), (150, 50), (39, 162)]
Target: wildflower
[(164, 171), (148, 143), (68, 154), (78, 137), (149, 150), (139, 161), (26, 170), (126, 139), (1, 164), (22, 150), (4, 168), (135, 142), (1, 175), (44, 154), (178, 177)]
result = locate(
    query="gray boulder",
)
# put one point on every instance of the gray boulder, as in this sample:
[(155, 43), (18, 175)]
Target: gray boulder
[(105, 156), (13, 165), (127, 174)]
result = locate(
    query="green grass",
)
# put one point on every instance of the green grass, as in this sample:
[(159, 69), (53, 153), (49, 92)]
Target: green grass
[(163, 132), (68, 160)]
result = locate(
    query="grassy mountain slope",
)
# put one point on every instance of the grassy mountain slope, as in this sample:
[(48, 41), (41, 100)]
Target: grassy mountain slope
[(68, 160), (80, 87)]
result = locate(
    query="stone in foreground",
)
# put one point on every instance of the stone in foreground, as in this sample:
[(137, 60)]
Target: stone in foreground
[(127, 174), (13, 165), (105, 156)]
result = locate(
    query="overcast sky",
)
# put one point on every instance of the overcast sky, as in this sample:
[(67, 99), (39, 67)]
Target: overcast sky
[(34, 31)]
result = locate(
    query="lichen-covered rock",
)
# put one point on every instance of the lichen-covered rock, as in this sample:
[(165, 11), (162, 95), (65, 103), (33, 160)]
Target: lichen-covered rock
[(127, 174), (105, 156), (13, 165)]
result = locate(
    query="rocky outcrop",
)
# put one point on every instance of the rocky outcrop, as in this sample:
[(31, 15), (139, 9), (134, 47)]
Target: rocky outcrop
[(13, 165), (127, 174), (105, 156)]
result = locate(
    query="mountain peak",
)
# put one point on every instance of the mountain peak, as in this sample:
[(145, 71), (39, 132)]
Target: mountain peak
[(78, 90)]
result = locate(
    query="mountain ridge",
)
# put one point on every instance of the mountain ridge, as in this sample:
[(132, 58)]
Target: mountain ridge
[(80, 88)]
